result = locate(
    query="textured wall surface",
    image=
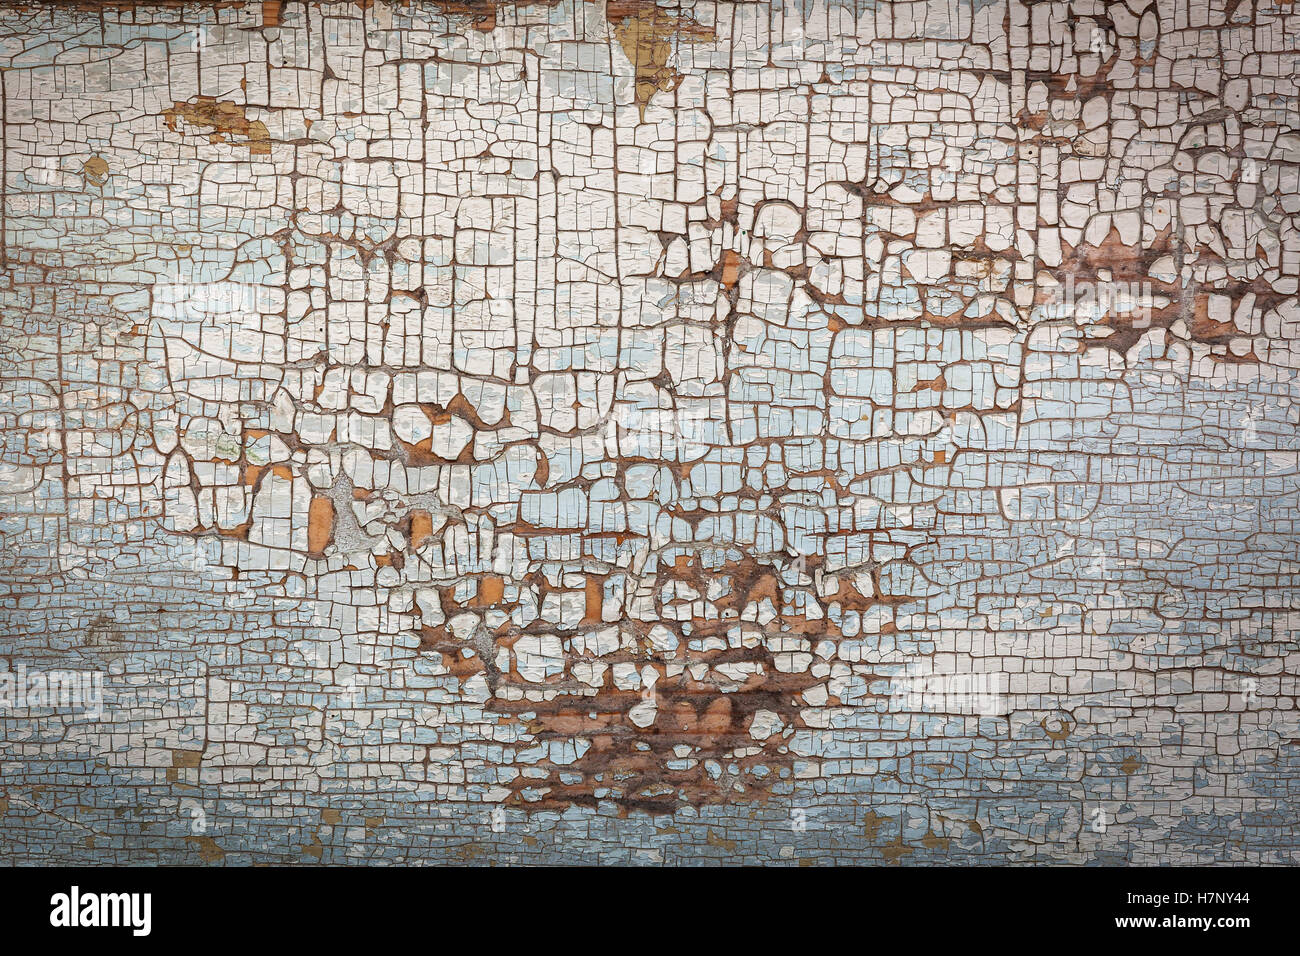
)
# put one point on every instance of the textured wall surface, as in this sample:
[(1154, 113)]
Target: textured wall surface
[(599, 431)]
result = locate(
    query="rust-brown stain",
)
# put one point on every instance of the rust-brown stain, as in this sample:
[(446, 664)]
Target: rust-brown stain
[(225, 118), (421, 527), (315, 849), (207, 848), (636, 766), (632, 763), (491, 590), (253, 473), (595, 599), (871, 825), (128, 6), (1130, 265), (730, 269), (894, 852), (183, 760), (421, 453), (932, 841), (95, 170), (1212, 331), (320, 524), (543, 473), (482, 14), (1064, 725), (721, 842), (646, 31)]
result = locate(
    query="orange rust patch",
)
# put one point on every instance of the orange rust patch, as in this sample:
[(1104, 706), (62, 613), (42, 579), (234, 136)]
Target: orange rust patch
[(543, 473), (238, 532), (595, 590), (320, 524), (730, 269), (491, 590), (421, 527)]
